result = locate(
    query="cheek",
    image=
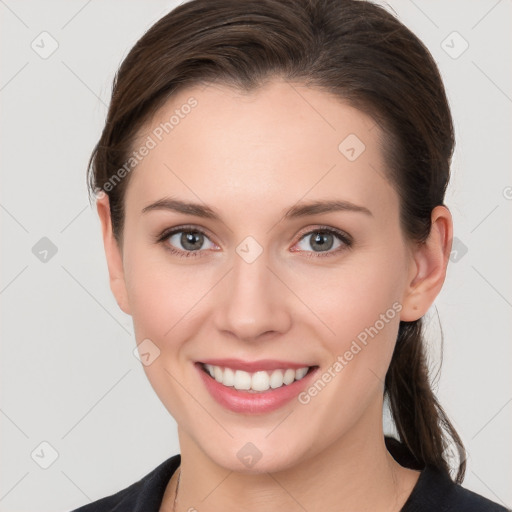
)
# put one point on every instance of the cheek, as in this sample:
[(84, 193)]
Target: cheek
[(359, 305), (164, 297), (362, 310), (165, 300), (354, 295)]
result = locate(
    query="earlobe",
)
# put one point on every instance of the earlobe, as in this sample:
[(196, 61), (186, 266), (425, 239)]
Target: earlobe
[(113, 255), (429, 266)]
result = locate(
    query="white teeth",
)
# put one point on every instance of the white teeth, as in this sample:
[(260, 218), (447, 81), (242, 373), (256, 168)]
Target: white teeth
[(276, 379), (217, 373), (228, 378), (242, 380), (289, 376), (258, 381), (300, 373)]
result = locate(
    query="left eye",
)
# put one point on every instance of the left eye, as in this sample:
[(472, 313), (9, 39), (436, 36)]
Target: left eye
[(322, 240), (190, 240)]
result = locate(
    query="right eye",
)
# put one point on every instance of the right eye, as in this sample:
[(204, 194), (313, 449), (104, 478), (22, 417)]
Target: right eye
[(185, 242)]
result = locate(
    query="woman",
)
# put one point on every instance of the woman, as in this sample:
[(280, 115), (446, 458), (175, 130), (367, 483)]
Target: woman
[(270, 184)]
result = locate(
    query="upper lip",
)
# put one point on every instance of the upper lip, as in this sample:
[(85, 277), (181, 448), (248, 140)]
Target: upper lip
[(254, 366)]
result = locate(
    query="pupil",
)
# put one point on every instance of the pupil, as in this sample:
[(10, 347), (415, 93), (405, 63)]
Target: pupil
[(320, 240), (189, 239)]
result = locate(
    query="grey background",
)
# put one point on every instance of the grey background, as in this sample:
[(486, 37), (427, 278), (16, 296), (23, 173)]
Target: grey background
[(69, 377)]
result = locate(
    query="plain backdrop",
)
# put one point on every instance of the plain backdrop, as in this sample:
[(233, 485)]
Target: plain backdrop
[(73, 396)]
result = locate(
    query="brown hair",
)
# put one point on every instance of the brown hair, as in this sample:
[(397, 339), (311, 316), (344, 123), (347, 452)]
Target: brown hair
[(353, 49)]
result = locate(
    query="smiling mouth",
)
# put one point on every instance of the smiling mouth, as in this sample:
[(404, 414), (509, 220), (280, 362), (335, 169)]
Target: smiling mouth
[(255, 382)]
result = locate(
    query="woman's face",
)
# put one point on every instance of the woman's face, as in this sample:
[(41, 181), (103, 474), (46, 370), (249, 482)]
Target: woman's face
[(259, 276)]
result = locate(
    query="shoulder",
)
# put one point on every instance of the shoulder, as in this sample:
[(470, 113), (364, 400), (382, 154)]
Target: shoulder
[(436, 491), (145, 495)]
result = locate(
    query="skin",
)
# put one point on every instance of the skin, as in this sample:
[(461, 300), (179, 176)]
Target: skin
[(250, 157)]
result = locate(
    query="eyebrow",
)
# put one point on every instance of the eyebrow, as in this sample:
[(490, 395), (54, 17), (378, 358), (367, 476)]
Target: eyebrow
[(296, 211)]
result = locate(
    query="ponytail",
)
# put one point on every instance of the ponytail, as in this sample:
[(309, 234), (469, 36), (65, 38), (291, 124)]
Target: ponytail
[(421, 423)]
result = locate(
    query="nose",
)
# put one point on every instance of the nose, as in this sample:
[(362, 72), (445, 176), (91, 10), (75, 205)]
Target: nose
[(254, 301)]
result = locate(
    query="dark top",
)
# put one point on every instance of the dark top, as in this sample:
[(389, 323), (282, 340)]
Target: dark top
[(434, 491)]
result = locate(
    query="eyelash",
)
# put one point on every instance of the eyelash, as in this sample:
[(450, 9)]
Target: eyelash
[(343, 237)]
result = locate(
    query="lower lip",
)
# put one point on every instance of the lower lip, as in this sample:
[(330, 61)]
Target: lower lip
[(254, 403)]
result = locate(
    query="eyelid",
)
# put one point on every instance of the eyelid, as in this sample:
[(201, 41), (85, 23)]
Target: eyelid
[(166, 233), (330, 229)]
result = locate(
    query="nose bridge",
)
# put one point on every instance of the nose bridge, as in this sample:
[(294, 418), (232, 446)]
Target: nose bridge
[(253, 302)]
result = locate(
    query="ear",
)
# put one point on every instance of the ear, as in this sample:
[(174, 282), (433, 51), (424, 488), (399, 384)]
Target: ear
[(428, 269), (113, 254)]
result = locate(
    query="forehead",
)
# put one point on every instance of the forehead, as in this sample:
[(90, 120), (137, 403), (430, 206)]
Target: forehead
[(268, 148)]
